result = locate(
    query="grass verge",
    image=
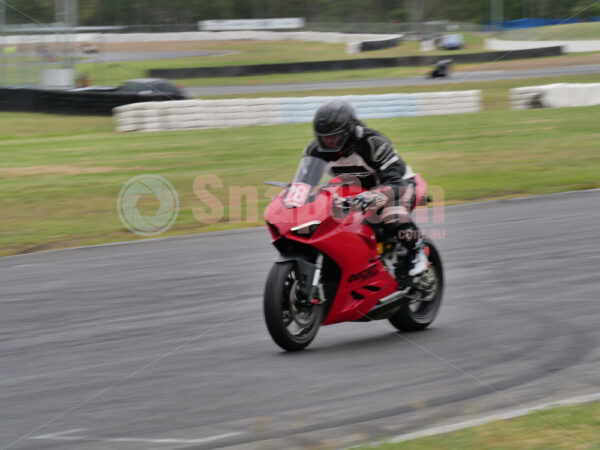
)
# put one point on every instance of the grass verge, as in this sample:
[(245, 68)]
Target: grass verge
[(494, 93), (117, 73), (240, 53), (60, 179), (258, 52), (567, 427), (395, 72)]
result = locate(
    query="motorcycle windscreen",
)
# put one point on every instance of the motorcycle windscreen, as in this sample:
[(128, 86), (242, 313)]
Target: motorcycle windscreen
[(309, 174)]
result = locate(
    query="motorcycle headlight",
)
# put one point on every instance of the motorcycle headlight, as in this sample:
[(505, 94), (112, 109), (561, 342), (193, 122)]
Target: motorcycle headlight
[(306, 229)]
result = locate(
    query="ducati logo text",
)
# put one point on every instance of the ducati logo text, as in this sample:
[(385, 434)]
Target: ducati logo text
[(369, 272)]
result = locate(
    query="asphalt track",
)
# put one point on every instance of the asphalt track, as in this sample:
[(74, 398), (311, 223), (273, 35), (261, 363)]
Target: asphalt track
[(456, 79), (161, 344)]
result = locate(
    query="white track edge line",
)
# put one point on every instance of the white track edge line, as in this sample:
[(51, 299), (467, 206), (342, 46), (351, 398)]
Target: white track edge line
[(494, 417)]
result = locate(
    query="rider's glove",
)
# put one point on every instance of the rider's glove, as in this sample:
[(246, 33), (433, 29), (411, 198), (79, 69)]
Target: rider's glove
[(368, 200)]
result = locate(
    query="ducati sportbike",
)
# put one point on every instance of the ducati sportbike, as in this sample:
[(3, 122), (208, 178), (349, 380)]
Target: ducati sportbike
[(334, 264)]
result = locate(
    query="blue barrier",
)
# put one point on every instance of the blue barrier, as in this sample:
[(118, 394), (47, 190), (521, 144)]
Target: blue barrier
[(541, 22), (295, 110)]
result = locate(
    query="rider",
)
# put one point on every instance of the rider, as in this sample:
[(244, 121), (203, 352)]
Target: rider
[(349, 146)]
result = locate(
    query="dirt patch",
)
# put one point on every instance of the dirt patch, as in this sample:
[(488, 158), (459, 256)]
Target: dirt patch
[(53, 170), (539, 121)]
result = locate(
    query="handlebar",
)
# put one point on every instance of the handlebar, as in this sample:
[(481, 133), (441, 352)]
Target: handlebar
[(362, 203), (346, 206)]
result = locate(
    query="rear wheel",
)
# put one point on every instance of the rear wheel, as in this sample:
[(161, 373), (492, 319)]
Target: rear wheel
[(292, 324), (418, 314)]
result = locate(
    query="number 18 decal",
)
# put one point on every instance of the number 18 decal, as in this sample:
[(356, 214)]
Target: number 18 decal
[(297, 194)]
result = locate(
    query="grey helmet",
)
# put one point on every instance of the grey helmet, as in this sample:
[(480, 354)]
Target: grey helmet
[(335, 117)]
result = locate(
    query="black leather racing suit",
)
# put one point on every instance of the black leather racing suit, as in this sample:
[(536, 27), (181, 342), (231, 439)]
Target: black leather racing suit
[(369, 151)]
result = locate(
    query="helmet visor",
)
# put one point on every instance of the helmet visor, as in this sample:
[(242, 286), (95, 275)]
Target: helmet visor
[(332, 142)]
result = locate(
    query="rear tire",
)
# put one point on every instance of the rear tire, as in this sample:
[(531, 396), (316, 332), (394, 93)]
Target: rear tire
[(419, 315), (291, 325)]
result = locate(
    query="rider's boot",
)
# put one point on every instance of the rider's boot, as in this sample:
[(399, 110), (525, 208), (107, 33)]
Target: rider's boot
[(418, 258), (411, 237)]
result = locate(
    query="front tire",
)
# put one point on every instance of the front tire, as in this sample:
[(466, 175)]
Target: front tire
[(418, 315), (291, 324)]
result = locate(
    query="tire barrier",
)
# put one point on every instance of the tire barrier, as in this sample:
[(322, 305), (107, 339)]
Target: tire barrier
[(376, 44), (109, 38), (567, 46), (65, 102), (252, 24), (198, 114), (559, 95), (346, 64)]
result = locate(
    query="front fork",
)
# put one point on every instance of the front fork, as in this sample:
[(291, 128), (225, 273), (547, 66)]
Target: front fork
[(311, 287), (316, 294)]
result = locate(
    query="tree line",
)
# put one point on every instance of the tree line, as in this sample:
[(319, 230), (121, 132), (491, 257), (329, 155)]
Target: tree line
[(172, 12)]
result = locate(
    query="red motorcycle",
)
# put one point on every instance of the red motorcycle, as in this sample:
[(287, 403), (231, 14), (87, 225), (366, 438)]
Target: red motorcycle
[(334, 265)]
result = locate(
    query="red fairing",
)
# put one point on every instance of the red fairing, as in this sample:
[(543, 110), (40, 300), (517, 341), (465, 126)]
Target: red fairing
[(332, 268), (347, 241), (285, 218), (420, 191)]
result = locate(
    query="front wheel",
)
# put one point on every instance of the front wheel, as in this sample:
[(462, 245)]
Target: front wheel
[(418, 314), (292, 324)]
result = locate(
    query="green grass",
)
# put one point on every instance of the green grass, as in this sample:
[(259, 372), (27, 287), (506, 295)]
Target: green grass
[(242, 52), (59, 179), (362, 74), (574, 31), (250, 52), (253, 52), (19, 72), (307, 77), (21, 127), (568, 428), (357, 74), (494, 93)]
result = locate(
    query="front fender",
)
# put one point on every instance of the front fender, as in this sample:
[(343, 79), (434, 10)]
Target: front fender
[(306, 269)]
